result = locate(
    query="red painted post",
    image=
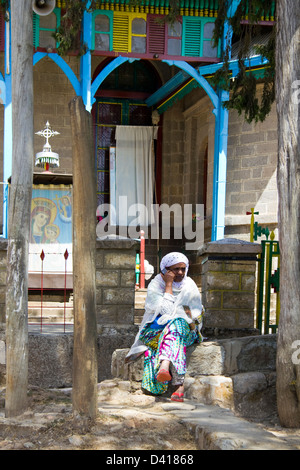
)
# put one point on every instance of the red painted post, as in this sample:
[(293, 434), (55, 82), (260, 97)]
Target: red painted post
[(142, 261), (66, 256), (42, 256)]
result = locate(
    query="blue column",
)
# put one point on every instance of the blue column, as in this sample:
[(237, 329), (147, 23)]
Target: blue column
[(85, 64), (7, 146), (220, 168)]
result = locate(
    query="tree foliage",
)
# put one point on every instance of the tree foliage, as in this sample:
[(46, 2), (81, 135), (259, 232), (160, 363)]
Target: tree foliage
[(68, 34)]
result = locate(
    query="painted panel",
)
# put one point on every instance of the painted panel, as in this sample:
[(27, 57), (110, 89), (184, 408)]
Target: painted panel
[(51, 215)]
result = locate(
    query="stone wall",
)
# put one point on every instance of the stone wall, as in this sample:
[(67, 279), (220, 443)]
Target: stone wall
[(251, 173), (50, 355), (251, 165), (173, 155)]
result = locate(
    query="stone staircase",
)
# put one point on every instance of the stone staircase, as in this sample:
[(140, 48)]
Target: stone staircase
[(53, 309), (237, 374), (139, 305)]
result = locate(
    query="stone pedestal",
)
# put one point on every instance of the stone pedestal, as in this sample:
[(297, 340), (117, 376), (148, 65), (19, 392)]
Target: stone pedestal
[(115, 284), (228, 284)]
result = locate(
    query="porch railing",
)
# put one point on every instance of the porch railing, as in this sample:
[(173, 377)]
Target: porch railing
[(48, 310)]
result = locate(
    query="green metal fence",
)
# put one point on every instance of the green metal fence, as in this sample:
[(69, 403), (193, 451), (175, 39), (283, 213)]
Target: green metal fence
[(268, 287), (268, 280)]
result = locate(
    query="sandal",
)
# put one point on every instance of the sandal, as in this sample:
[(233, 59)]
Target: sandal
[(177, 396), (163, 376)]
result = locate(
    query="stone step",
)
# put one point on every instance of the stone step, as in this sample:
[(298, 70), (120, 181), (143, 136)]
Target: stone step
[(139, 298), (52, 312), (226, 357), (249, 394), (50, 320), (233, 355), (237, 374)]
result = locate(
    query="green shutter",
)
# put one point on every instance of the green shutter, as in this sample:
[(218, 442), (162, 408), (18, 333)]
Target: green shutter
[(192, 37), (36, 30)]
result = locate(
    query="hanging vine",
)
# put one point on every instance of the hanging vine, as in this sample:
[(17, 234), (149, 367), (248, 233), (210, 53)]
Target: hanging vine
[(244, 95), (68, 34)]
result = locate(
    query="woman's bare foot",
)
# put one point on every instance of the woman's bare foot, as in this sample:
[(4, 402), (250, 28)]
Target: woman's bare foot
[(180, 389), (164, 372)]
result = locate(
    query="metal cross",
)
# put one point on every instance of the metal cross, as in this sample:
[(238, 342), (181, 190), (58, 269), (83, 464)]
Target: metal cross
[(47, 133)]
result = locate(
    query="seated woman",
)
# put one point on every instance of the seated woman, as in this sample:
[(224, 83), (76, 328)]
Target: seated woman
[(172, 321)]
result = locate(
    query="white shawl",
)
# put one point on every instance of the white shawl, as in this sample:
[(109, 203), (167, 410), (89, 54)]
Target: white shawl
[(187, 295)]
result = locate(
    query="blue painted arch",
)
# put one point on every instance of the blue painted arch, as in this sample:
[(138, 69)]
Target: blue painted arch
[(106, 71), (115, 63), (199, 79), (180, 64), (64, 67)]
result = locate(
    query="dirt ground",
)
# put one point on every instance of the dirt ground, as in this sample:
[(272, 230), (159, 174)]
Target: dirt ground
[(49, 424), (127, 420)]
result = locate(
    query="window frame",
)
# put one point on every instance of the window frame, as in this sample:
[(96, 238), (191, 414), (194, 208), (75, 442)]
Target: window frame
[(109, 14), (179, 20), (37, 28), (143, 17)]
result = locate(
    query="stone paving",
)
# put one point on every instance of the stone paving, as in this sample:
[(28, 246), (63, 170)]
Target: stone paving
[(213, 427), (131, 420)]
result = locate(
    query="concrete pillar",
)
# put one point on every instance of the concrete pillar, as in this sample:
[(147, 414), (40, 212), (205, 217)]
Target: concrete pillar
[(115, 281), (115, 292), (228, 286)]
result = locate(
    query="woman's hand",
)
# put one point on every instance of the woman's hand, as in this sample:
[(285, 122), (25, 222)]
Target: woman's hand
[(168, 277), (189, 314)]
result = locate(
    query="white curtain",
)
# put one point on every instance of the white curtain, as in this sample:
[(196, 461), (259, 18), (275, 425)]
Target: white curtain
[(134, 185)]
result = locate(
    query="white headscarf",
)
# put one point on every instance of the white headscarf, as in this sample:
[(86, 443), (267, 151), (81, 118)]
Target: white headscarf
[(173, 258)]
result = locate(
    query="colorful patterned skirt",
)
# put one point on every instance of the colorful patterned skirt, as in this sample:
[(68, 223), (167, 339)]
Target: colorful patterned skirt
[(169, 343)]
